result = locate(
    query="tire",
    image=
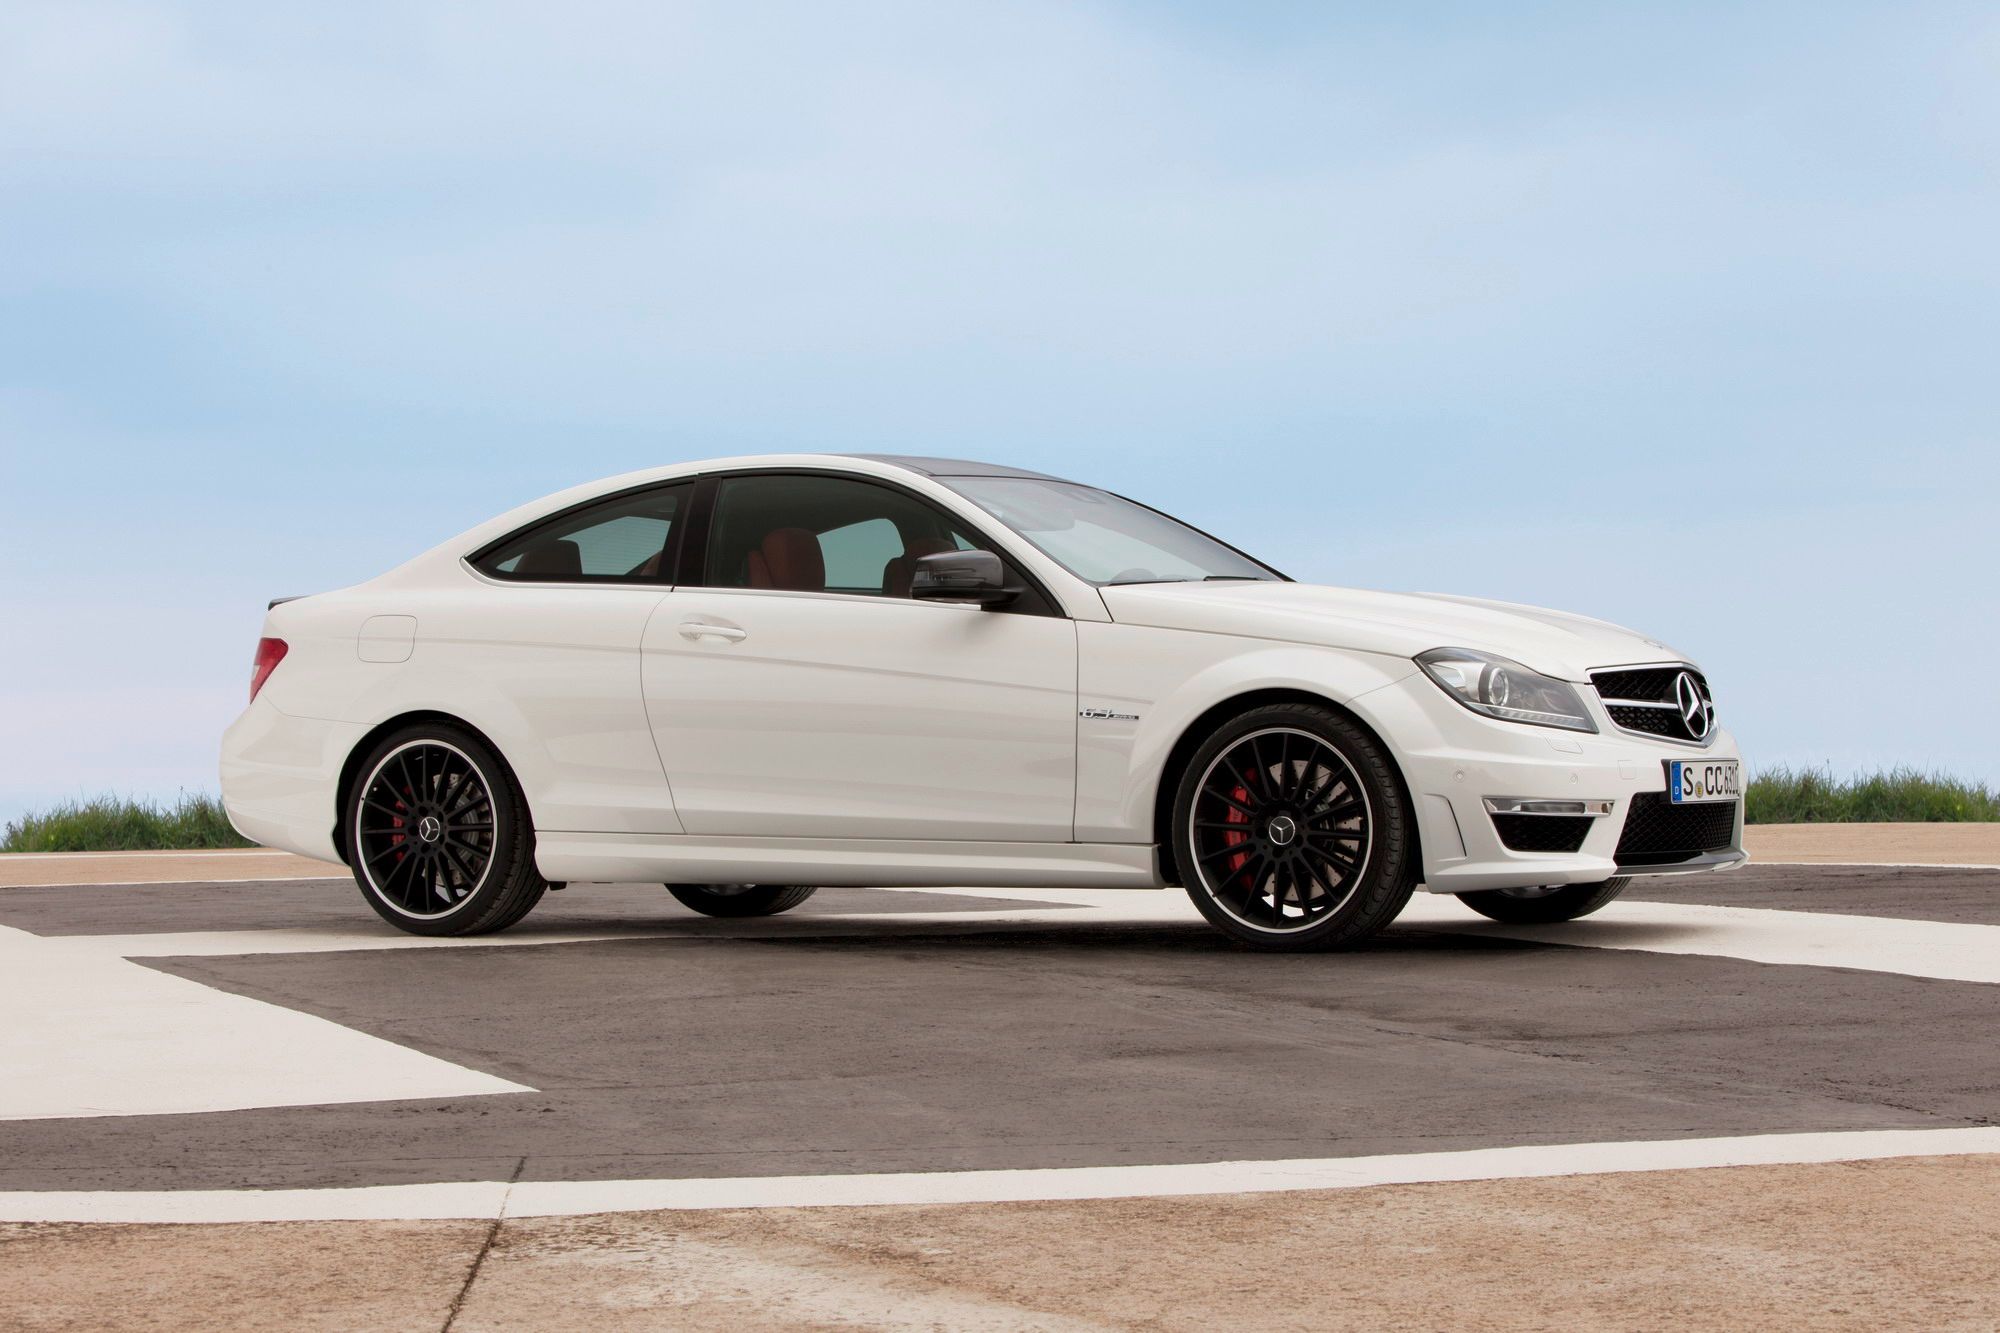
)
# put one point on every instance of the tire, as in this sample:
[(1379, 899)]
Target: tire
[(477, 874), (741, 899), (1292, 832), (1532, 907)]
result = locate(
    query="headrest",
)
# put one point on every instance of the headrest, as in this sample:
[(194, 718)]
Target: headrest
[(789, 558), (552, 560)]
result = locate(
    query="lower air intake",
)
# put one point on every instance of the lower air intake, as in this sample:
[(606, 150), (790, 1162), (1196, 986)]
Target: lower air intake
[(1660, 833), (1542, 833)]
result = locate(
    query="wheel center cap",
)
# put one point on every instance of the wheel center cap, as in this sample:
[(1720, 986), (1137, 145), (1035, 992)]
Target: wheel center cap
[(1282, 831), (429, 828)]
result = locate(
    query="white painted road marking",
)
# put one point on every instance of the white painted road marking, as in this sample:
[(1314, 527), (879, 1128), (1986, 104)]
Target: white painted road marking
[(339, 939), (495, 1199), (176, 854), (87, 1033), (160, 884)]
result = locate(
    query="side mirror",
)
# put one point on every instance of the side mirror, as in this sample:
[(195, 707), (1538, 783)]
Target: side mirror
[(962, 576)]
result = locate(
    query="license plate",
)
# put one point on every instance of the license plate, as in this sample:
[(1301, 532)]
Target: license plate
[(1697, 781)]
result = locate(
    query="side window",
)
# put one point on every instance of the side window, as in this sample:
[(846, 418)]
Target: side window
[(810, 533), (857, 554), (627, 539)]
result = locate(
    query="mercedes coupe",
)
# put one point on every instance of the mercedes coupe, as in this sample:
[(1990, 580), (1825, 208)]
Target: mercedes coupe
[(748, 678)]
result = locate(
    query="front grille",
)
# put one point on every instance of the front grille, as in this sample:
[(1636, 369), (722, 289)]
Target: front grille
[(1542, 833), (1655, 684), (1626, 694), (1660, 833), (1651, 721)]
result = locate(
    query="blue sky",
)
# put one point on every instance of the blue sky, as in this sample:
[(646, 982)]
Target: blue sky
[(1686, 316)]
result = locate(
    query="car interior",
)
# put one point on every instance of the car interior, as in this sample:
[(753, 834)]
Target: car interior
[(625, 538), (822, 534), (792, 532)]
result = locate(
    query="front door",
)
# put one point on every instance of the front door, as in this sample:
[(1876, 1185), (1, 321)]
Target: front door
[(800, 692)]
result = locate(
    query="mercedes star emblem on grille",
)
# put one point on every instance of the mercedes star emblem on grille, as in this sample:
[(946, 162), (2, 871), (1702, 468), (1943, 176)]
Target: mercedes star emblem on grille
[(1697, 713)]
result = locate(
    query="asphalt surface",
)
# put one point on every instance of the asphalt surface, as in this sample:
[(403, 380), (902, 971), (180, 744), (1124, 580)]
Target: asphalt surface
[(1906, 893), (876, 1031)]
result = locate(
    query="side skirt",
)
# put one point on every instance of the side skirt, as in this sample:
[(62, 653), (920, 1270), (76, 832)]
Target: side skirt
[(597, 858)]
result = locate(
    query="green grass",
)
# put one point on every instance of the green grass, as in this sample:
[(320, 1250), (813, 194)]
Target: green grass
[(121, 824), (1899, 795)]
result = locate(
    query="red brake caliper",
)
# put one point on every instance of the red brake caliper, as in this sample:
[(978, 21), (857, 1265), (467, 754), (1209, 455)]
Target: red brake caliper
[(1230, 837), (398, 839)]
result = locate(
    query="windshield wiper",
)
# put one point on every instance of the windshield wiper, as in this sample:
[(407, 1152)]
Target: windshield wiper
[(1206, 578)]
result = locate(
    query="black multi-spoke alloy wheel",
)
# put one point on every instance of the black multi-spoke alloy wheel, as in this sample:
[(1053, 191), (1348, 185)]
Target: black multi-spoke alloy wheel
[(740, 899), (439, 836), (1540, 906), (1291, 830)]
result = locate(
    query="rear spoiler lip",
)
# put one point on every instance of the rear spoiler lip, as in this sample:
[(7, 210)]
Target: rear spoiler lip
[(276, 602)]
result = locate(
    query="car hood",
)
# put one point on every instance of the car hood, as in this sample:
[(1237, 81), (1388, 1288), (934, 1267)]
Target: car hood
[(1398, 623)]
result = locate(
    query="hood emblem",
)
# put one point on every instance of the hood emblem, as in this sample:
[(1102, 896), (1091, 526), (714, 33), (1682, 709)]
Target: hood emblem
[(1697, 712)]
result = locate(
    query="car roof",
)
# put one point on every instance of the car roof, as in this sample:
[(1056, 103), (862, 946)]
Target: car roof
[(950, 467)]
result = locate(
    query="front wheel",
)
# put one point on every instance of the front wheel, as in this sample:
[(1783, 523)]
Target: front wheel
[(740, 899), (1291, 830), (1544, 904)]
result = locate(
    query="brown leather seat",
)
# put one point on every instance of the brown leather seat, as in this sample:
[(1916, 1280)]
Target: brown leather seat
[(788, 558), (896, 575), (558, 559)]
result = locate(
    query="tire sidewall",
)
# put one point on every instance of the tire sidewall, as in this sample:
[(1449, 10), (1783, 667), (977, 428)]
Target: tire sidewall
[(741, 901), (1565, 904), (1386, 873)]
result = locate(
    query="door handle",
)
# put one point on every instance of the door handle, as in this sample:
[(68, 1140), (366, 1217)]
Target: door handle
[(695, 629)]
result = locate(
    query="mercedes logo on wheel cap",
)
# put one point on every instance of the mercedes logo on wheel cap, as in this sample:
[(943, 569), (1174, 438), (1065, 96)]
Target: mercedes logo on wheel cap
[(1697, 712), (429, 829), (1281, 831)]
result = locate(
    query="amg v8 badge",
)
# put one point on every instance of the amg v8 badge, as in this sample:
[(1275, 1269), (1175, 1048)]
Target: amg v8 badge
[(1107, 715)]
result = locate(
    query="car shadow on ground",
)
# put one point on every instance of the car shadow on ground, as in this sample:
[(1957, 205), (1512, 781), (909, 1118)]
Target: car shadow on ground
[(859, 935)]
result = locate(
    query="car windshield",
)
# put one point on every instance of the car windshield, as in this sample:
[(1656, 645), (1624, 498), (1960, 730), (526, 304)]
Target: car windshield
[(1103, 538)]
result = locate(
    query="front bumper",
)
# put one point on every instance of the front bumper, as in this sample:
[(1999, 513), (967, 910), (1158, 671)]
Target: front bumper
[(1455, 761)]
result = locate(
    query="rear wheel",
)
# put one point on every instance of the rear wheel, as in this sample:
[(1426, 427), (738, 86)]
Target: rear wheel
[(1545, 903), (439, 836), (1291, 830), (740, 899)]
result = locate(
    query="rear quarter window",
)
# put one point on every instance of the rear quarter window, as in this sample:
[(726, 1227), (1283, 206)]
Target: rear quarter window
[(626, 539)]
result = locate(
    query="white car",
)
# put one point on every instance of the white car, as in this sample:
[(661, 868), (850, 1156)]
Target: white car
[(751, 677)]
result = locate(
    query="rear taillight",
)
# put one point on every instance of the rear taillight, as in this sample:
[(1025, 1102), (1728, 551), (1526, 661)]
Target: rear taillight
[(270, 652)]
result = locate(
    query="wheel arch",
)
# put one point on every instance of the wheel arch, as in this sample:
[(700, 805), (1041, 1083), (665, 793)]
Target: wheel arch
[(350, 768), (1217, 715)]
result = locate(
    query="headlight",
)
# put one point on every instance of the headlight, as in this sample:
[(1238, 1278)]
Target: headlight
[(1506, 690)]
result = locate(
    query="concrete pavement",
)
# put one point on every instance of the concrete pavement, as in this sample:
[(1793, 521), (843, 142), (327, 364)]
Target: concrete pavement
[(961, 1032)]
